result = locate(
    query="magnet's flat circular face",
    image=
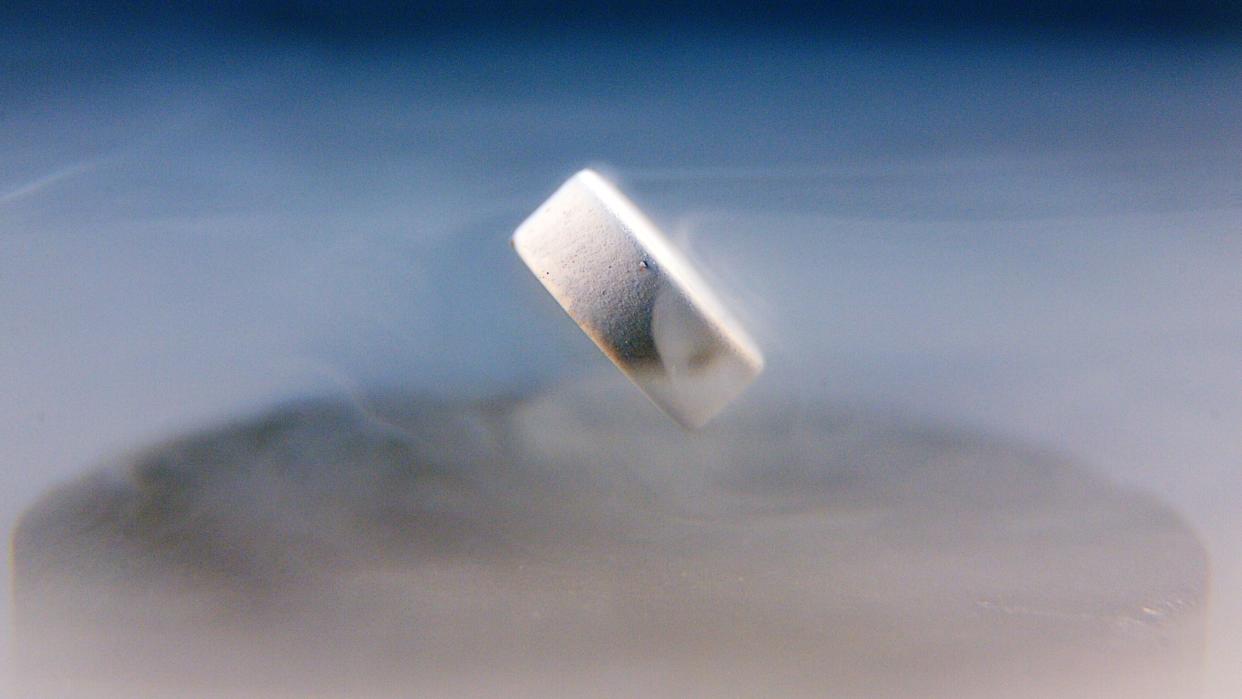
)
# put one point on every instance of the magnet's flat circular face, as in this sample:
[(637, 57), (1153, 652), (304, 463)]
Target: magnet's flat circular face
[(641, 301)]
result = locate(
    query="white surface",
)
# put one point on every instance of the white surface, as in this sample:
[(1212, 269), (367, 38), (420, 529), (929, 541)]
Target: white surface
[(638, 298)]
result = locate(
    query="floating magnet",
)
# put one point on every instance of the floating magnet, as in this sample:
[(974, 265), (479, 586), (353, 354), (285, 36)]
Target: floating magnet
[(639, 298)]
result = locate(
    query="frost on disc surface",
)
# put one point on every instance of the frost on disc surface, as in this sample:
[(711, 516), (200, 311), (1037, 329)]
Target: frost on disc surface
[(638, 298)]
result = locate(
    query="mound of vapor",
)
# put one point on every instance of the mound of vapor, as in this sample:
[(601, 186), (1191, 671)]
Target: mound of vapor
[(576, 542)]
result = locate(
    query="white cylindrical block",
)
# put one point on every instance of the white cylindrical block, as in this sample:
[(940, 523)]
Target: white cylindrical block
[(638, 298)]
